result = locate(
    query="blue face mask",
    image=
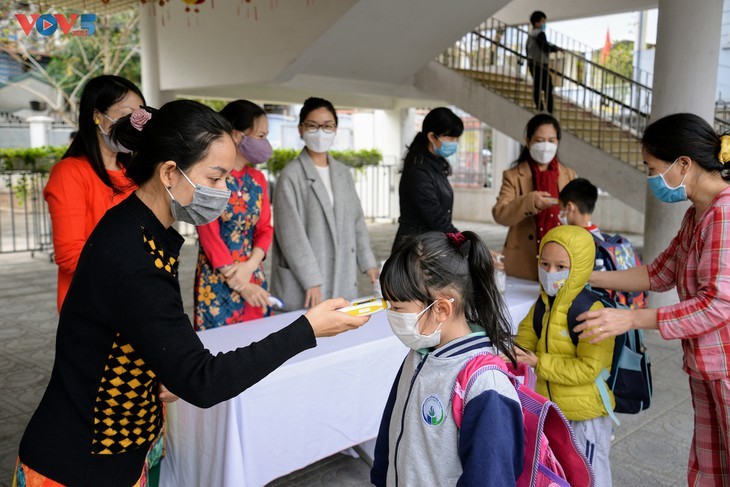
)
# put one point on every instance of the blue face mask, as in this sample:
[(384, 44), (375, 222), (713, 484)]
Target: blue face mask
[(663, 192), (447, 149)]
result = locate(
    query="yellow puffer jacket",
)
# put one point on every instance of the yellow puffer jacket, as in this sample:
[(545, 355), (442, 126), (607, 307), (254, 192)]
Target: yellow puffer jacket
[(566, 373)]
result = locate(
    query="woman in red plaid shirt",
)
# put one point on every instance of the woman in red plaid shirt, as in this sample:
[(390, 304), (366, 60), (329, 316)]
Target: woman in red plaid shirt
[(687, 160)]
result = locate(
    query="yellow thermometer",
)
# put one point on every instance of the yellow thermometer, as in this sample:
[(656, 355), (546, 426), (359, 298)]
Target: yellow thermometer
[(366, 307)]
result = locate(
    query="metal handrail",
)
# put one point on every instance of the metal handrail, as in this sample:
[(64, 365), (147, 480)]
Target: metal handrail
[(569, 44), (563, 75), (606, 109)]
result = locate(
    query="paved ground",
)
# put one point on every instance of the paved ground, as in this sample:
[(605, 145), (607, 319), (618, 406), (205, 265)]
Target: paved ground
[(650, 449)]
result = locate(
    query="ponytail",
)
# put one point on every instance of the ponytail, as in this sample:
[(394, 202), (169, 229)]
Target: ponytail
[(442, 122), (485, 304), (431, 262), (417, 149)]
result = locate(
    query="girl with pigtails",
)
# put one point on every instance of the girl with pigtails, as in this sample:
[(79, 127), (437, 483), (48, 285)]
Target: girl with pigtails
[(445, 306)]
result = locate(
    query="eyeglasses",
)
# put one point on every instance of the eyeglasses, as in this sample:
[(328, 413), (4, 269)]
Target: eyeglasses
[(312, 127)]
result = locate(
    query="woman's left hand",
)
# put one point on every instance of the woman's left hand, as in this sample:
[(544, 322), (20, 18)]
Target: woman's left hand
[(166, 395), (373, 273), (604, 323)]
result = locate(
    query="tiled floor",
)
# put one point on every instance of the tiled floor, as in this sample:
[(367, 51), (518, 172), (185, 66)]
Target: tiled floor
[(650, 449)]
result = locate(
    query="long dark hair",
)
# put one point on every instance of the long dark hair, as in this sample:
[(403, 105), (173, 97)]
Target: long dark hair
[(100, 93), (180, 131), (430, 262), (685, 134), (242, 114), (535, 123), (442, 122)]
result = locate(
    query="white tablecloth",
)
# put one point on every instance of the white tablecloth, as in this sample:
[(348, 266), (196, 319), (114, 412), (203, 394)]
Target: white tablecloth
[(320, 402)]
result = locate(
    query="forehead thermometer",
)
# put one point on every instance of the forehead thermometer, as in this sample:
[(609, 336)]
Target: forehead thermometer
[(366, 307)]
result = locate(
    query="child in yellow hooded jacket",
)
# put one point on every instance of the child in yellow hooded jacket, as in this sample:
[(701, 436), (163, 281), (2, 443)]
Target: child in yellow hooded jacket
[(567, 374)]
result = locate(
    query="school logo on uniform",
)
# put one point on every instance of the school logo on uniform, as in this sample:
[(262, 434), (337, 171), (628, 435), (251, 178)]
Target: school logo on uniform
[(432, 411)]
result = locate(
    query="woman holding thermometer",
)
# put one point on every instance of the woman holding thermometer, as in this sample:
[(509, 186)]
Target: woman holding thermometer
[(528, 199)]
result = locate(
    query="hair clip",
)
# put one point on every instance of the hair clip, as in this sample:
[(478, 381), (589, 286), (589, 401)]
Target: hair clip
[(724, 155), (139, 118)]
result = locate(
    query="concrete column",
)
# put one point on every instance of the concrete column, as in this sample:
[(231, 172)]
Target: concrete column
[(150, 58), (505, 151), (40, 127), (685, 78)]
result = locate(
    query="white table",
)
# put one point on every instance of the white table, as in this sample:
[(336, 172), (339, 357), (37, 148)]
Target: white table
[(318, 403)]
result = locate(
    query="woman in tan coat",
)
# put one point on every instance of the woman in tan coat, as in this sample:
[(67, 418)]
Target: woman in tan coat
[(528, 198)]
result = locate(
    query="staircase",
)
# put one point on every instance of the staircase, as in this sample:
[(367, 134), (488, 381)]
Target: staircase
[(602, 113)]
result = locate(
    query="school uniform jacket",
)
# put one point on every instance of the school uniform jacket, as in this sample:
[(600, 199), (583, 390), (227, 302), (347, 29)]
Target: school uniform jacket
[(419, 443)]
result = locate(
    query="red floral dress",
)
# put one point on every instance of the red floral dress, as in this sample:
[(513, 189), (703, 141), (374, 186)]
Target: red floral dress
[(245, 224)]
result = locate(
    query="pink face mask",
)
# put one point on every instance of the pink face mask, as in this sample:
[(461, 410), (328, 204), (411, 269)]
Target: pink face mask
[(256, 151)]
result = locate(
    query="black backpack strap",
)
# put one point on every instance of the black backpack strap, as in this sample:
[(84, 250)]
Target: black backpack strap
[(537, 315), (582, 303)]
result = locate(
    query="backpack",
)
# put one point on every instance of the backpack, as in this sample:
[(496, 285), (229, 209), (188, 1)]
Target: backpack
[(552, 456), (630, 374), (618, 254)]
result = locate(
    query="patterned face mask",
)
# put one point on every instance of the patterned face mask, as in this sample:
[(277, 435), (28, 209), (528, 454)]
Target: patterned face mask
[(552, 281)]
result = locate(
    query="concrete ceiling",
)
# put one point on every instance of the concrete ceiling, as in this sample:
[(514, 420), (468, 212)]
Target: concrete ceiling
[(518, 11), (364, 50)]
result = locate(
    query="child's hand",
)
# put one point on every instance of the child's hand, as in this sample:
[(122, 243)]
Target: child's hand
[(525, 357)]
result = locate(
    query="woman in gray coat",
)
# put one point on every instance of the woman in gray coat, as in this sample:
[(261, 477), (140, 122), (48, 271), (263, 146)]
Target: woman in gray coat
[(320, 237)]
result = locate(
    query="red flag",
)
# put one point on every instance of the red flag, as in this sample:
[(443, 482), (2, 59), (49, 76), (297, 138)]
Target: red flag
[(606, 51)]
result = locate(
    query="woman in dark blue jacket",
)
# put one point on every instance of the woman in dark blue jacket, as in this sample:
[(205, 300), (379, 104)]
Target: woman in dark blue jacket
[(426, 197)]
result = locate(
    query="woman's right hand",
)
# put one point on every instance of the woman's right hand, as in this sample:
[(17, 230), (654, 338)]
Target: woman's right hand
[(313, 297), (326, 321), (254, 295), (544, 200)]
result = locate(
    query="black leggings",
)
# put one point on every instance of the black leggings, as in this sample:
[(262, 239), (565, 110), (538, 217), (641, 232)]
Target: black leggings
[(542, 82)]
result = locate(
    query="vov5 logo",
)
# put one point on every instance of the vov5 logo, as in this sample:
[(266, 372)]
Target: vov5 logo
[(48, 24)]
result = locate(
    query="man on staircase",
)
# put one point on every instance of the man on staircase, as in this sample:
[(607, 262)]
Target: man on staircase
[(538, 59)]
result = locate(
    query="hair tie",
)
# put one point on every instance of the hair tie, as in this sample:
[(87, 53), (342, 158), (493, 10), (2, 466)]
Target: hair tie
[(724, 155), (457, 238), (139, 118), (460, 242)]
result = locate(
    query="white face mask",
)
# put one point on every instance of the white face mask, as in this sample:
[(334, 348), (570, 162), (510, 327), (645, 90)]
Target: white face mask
[(319, 141), (563, 217), (405, 327), (552, 281), (543, 152)]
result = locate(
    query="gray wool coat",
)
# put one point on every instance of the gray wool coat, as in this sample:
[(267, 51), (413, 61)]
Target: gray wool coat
[(317, 243)]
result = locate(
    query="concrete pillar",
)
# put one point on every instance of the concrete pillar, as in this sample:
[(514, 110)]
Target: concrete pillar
[(505, 151), (685, 77), (150, 57), (40, 128)]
